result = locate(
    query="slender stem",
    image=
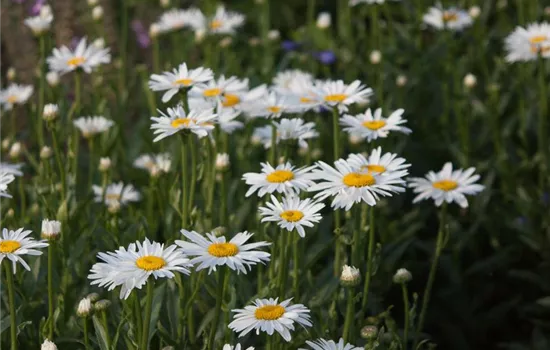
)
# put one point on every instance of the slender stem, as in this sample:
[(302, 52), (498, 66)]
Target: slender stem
[(138, 317), (427, 292), (77, 83), (370, 252), (147, 319), (273, 151), (86, 338), (184, 196), (406, 314), (40, 107), (106, 327), (357, 234), (223, 280), (542, 132), (11, 301), (296, 261), (50, 290), (193, 150), (156, 54), (283, 263), (59, 165), (336, 148), (348, 324), (223, 199), (91, 162)]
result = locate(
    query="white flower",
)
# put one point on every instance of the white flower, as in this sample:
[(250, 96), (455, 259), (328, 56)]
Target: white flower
[(375, 57), (292, 213), (91, 126), (50, 229), (84, 307), (222, 161), (197, 122), (226, 119), (179, 78), (48, 345), (41, 23), (284, 179), (116, 193), (175, 19), (273, 34), (526, 44), (373, 126), (447, 186), (469, 80), (474, 12), (340, 95), (15, 150), (301, 94), (215, 90), (271, 105), (284, 79), (83, 57), (52, 78), (322, 344), (15, 244), (263, 136), (378, 163), (452, 18), (350, 276), (15, 94), (5, 179), (14, 169), (402, 276), (295, 129), (214, 251), (155, 163), (130, 268), (50, 112), (236, 347), (268, 315), (349, 185), (223, 22), (324, 20), (239, 99)]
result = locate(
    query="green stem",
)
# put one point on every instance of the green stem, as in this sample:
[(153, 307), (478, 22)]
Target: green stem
[(106, 327), (193, 150), (406, 312), (59, 165), (91, 162), (283, 263), (427, 292), (86, 338), (147, 319), (370, 262), (223, 280), (296, 273), (11, 301), (138, 317), (50, 291), (542, 129), (77, 83), (184, 196), (336, 154), (348, 324), (156, 54), (40, 107), (273, 151)]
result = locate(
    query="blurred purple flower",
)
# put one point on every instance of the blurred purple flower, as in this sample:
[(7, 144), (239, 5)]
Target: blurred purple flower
[(142, 36), (35, 9), (289, 45), (325, 57)]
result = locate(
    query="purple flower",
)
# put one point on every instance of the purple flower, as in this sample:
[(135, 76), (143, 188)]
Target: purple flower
[(289, 45), (325, 57), (35, 9), (142, 35)]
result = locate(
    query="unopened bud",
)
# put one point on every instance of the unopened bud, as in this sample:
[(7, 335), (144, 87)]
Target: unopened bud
[(474, 12), (316, 153), (84, 307), (92, 2), (93, 297), (324, 20), (402, 276), (104, 164), (354, 139), (254, 41), (226, 42), (222, 161), (50, 112), (10, 213), (401, 80), (35, 209), (375, 57), (369, 332), (45, 152), (102, 305), (164, 3), (350, 276), (154, 30), (15, 150), (273, 35), (470, 81), (199, 35), (219, 231), (52, 78), (97, 13), (11, 73), (50, 229), (6, 144), (48, 345), (99, 43)]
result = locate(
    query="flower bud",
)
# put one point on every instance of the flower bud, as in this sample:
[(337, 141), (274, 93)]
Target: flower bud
[(226, 42), (48, 345), (199, 35), (102, 305), (50, 229), (45, 11), (219, 231), (474, 12), (52, 78), (164, 3), (84, 308), (50, 112), (369, 332), (45, 152), (99, 43), (93, 297), (324, 20), (35, 209), (254, 41), (375, 57), (154, 30), (10, 213), (11, 74), (470, 81), (350, 276), (354, 139), (402, 276), (273, 35), (316, 153), (222, 161), (104, 164), (97, 13), (92, 2), (401, 80), (15, 150)]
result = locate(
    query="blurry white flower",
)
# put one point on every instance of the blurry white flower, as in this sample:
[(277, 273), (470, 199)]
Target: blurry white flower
[(284, 79), (378, 163), (41, 23), (470, 80), (176, 19), (375, 57), (154, 30), (164, 3), (446, 186), (401, 80), (9, 168), (350, 276), (273, 34), (340, 95), (11, 73), (215, 90), (474, 12), (526, 44), (50, 229), (322, 344), (223, 22), (91, 126), (271, 105), (236, 347), (197, 122), (104, 164), (373, 126), (116, 193), (402, 276), (222, 161), (97, 13), (159, 163), (452, 18), (5, 179), (45, 152), (324, 20), (179, 78), (15, 244), (295, 130), (85, 57), (48, 345), (15, 94), (15, 150), (50, 112), (52, 78)]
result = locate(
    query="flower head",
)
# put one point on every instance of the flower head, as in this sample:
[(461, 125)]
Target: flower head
[(322, 344), (340, 95), (41, 23), (50, 229), (350, 276), (452, 18), (285, 178), (179, 78), (15, 244), (223, 22), (5, 179), (85, 57), (91, 126), (155, 164), (15, 94), (292, 213), (116, 193), (220, 90), (9, 168), (373, 126), (176, 120), (526, 44), (402, 276), (84, 307), (378, 163)]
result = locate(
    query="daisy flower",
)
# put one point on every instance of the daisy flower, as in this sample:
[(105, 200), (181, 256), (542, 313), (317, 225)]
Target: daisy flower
[(295, 129), (91, 126), (214, 251), (446, 186), (373, 126), (223, 22), (268, 315), (341, 95), (349, 185), (15, 94), (175, 19), (15, 244), (41, 23), (240, 99), (116, 194), (378, 163), (271, 105), (284, 79), (322, 344), (263, 136), (197, 122), (302, 94), (130, 268), (452, 18), (236, 347), (84, 57), (215, 90), (14, 169), (526, 44), (292, 213), (284, 179), (179, 78), (226, 120), (155, 163), (5, 179)]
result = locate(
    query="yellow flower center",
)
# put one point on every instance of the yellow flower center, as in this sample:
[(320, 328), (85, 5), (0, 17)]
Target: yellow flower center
[(374, 168), (216, 24), (274, 109), (279, 176), (76, 61), (212, 92), (269, 312), (176, 123), (374, 124), (112, 196), (336, 98), (223, 250), (450, 16), (292, 215), (445, 185), (230, 100), (12, 99), (185, 82), (150, 263), (359, 180), (9, 246), (537, 39), (305, 100)]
